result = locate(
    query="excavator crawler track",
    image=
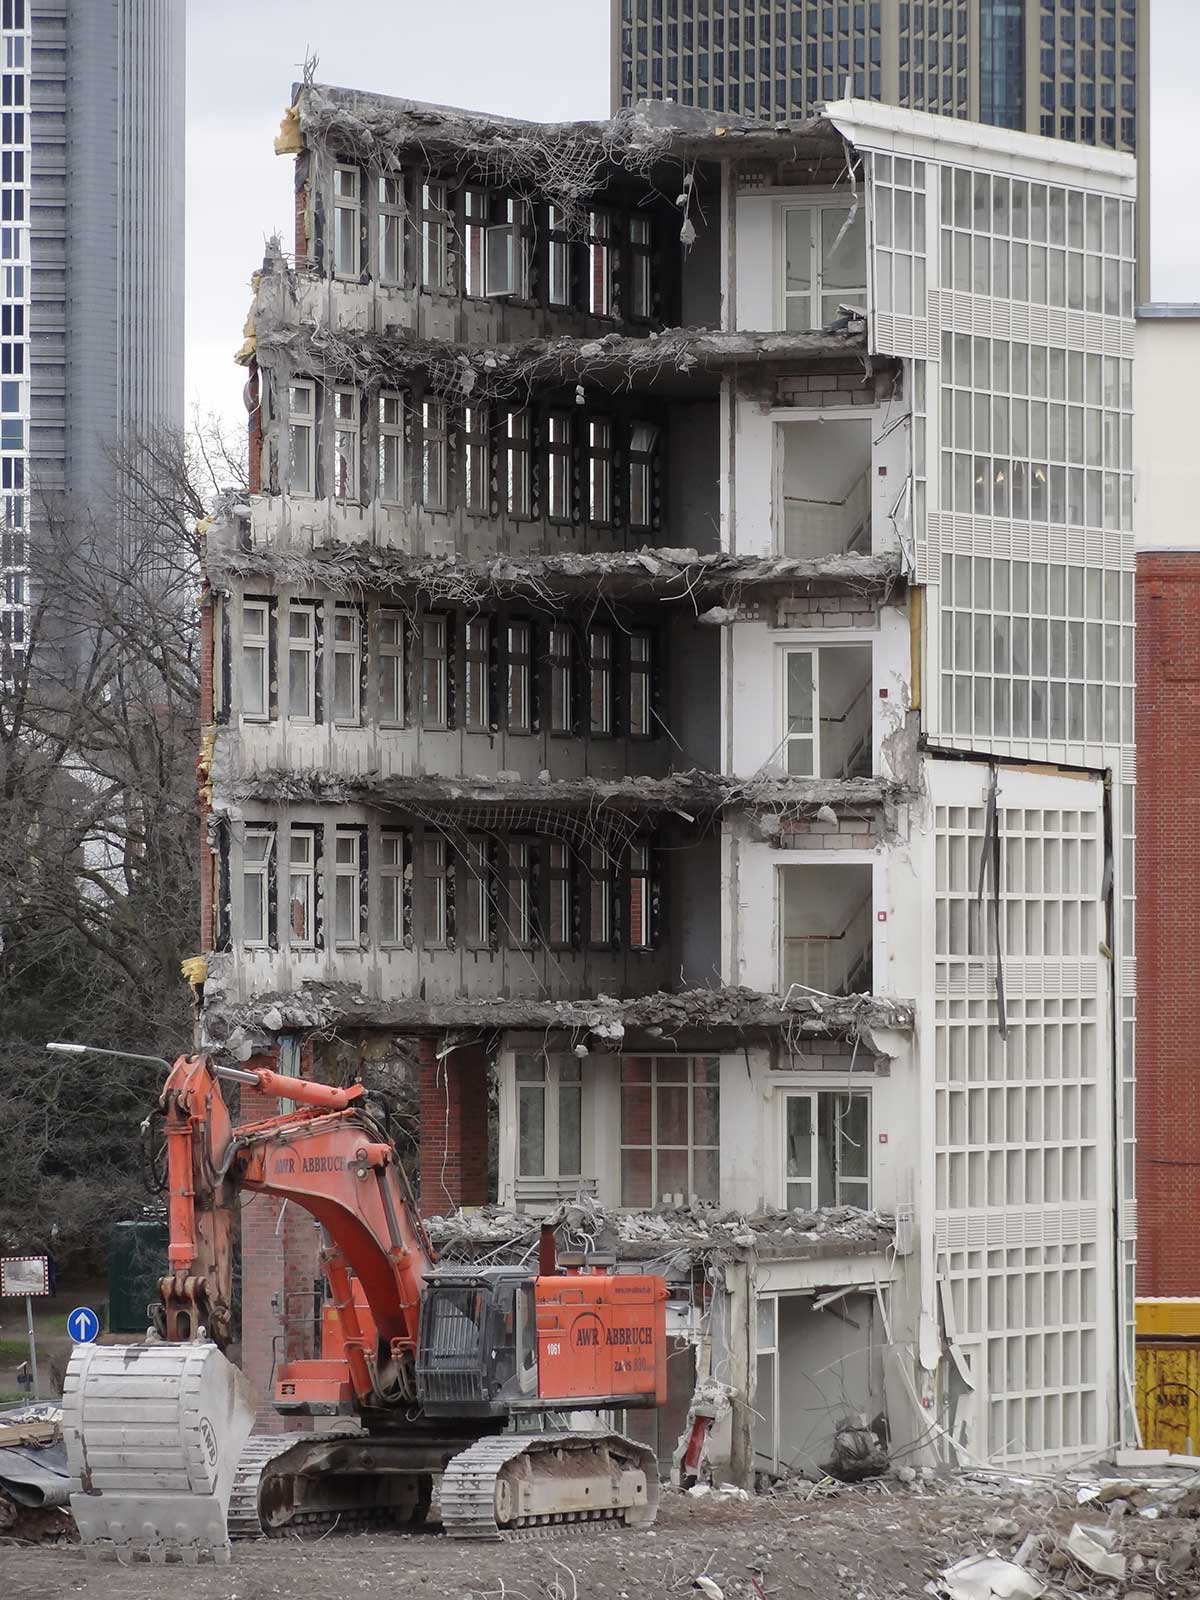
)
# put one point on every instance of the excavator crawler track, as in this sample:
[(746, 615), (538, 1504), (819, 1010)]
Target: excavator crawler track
[(521, 1486)]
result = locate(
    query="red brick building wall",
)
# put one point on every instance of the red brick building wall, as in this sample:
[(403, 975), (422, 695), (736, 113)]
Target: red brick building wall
[(1168, 922), (453, 1098)]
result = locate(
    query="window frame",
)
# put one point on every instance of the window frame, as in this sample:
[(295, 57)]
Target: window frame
[(306, 646), (560, 659), (305, 872), (816, 292), (560, 895), (600, 241), (351, 648), (435, 896), (265, 608), (435, 455), (393, 429), (518, 676), (391, 217), (559, 262), (547, 1087), (477, 460), (639, 870), (601, 875), (393, 870), (392, 655), (641, 268), (347, 205), (600, 458), (351, 873), (508, 251), (861, 1187), (520, 873), (477, 212), (642, 464), (479, 887), (518, 461), (478, 634), (560, 506), (440, 659), (813, 737), (306, 427), (602, 678), (433, 236), (654, 1083), (260, 868), (639, 722), (347, 444)]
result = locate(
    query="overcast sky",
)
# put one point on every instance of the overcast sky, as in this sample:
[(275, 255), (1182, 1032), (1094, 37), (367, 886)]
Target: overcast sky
[(534, 58)]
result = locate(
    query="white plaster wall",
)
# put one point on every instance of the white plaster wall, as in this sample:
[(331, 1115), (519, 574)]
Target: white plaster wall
[(1166, 461)]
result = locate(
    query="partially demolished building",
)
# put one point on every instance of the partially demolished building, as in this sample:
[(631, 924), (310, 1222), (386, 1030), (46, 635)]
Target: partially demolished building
[(670, 699)]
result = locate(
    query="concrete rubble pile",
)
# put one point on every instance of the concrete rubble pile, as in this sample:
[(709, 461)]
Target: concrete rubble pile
[(34, 1479)]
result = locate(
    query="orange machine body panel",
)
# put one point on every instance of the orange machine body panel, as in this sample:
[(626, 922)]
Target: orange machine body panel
[(602, 1339), (325, 1386)]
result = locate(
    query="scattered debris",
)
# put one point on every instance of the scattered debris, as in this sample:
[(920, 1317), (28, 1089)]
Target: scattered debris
[(1093, 1546), (982, 1577), (858, 1452)]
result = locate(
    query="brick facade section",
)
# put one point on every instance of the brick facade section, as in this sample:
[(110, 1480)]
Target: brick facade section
[(453, 1097), (1168, 921), (254, 429), (207, 886)]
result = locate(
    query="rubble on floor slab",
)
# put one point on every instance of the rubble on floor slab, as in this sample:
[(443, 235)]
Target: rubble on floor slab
[(684, 1232), (605, 1022)]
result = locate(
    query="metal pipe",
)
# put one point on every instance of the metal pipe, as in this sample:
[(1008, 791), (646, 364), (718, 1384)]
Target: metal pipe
[(234, 1074), (63, 1049)]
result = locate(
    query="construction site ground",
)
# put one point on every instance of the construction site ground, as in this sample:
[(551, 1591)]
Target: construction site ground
[(880, 1541)]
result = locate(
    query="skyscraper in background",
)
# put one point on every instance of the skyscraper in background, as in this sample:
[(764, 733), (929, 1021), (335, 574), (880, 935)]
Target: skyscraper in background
[(1066, 69), (91, 251)]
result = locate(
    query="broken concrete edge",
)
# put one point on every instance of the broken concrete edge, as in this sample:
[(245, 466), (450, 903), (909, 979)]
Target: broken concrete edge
[(685, 575), (607, 1021), (381, 130), (483, 371), (692, 795)]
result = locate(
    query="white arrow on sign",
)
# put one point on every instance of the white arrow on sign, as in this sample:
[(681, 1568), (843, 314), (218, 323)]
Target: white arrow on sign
[(83, 1325)]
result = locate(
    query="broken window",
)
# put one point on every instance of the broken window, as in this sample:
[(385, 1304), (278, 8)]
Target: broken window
[(436, 900), (518, 668), (302, 887), (433, 455), (347, 886), (670, 1129), (345, 444), (600, 274), (347, 206), (549, 1116), (475, 220), (641, 667), (435, 272), (827, 927), (521, 894), (435, 672), (560, 258), (258, 845), (827, 1150), (508, 251), (256, 658), (641, 933), (393, 918), (599, 468), (600, 660), (475, 895), (643, 450), (302, 661), (518, 475), (477, 459), (302, 436), (477, 714), (562, 680), (562, 895), (827, 712), (391, 668), (600, 898), (825, 263), (391, 229), (347, 665), (559, 449), (391, 449), (640, 290)]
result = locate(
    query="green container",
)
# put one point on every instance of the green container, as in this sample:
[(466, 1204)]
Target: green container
[(137, 1259)]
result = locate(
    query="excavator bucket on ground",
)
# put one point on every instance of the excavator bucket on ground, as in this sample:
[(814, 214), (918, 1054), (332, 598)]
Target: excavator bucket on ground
[(154, 1433)]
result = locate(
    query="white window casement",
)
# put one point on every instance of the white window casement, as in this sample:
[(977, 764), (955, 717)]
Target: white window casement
[(824, 262), (391, 669), (827, 1149), (347, 887), (474, 905), (435, 902), (670, 1129), (559, 444), (518, 670), (475, 226), (562, 897), (302, 886), (347, 666), (827, 711), (346, 445), (600, 264), (518, 474), (522, 929), (435, 267), (302, 661), (600, 898), (508, 251), (435, 672), (477, 460), (641, 685), (347, 222), (641, 931), (562, 680), (258, 847), (434, 451), (560, 258), (600, 658), (640, 277), (390, 221), (599, 470), (256, 659), (393, 922), (302, 436), (643, 446), (478, 667), (391, 449), (549, 1116)]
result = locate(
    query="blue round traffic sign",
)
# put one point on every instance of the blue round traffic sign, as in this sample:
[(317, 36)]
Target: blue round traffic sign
[(83, 1325)]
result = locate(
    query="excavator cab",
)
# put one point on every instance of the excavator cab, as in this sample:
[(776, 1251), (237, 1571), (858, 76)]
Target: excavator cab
[(477, 1344)]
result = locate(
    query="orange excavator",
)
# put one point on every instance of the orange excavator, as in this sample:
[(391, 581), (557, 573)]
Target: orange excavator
[(453, 1382)]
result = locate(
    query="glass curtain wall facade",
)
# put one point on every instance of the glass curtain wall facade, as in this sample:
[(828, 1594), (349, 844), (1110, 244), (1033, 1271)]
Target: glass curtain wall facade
[(14, 322)]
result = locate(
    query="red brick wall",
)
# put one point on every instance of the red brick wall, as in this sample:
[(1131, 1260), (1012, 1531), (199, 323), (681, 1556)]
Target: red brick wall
[(1168, 922), (453, 1095), (254, 426), (207, 887)]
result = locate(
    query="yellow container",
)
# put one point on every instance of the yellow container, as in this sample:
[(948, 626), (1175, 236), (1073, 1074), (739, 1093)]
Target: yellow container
[(1168, 1374)]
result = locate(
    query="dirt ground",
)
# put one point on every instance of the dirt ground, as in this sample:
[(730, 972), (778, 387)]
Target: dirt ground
[(862, 1544)]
